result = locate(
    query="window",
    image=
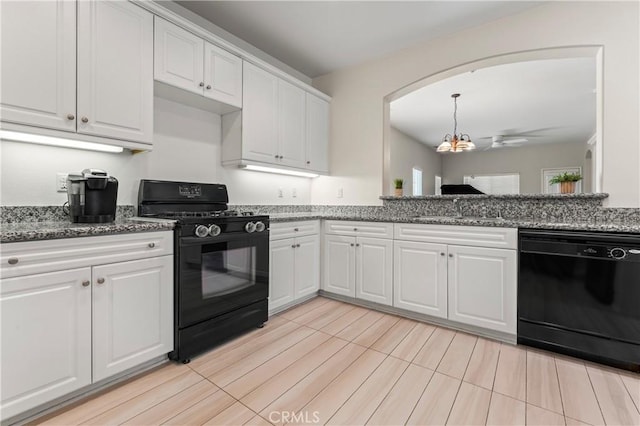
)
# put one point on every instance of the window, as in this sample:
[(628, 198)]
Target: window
[(438, 185), (508, 183), (417, 181)]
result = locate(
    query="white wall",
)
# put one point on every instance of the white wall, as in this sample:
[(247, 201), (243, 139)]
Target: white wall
[(356, 150), (408, 153), (528, 161), (187, 146)]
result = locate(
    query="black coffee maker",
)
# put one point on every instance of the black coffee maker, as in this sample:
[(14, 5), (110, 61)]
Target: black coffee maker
[(92, 196)]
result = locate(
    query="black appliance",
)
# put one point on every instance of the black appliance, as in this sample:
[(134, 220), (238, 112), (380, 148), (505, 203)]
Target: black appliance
[(579, 294), (221, 263), (459, 189), (92, 195)]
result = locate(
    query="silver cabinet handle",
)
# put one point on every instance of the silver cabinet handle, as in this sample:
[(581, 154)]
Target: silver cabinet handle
[(12, 260), (201, 84), (100, 280), (298, 245), (71, 117), (295, 229), (86, 283), (276, 156), (442, 254), (208, 87), (151, 245), (352, 244), (357, 244), (293, 246), (355, 229), (450, 255), (281, 157), (84, 119), (308, 162)]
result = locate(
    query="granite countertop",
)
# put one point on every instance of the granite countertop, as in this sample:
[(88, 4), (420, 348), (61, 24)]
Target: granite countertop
[(33, 231), (466, 221)]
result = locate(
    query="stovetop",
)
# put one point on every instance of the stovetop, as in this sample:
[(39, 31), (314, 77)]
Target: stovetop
[(195, 216)]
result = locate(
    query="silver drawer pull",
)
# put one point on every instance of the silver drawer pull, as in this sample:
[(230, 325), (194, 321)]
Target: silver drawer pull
[(298, 245), (450, 255), (151, 245), (634, 251), (12, 260), (442, 254), (355, 229), (295, 229), (357, 244), (352, 244), (86, 283), (293, 246), (100, 280)]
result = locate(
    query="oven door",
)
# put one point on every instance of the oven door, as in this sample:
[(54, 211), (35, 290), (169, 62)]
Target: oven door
[(220, 274)]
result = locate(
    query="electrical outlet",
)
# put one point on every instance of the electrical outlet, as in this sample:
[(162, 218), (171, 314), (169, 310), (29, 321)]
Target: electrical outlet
[(280, 194), (61, 182), (340, 193), (294, 192)]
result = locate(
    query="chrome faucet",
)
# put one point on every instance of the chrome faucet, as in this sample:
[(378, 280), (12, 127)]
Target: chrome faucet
[(457, 207)]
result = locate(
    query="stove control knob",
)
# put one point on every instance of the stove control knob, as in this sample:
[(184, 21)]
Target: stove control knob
[(202, 231), (214, 230), (250, 227), (260, 227), (618, 253)]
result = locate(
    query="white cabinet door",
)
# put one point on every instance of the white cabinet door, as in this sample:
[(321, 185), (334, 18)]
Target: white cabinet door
[(281, 271), (291, 125), (307, 265), (38, 55), (222, 75), (46, 337), (178, 57), (374, 270), (115, 70), (482, 287), (420, 277), (317, 140), (259, 114), (132, 314), (339, 265)]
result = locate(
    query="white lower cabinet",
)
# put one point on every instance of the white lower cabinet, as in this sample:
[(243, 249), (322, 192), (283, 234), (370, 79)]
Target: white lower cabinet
[(294, 262), (471, 284), (64, 328), (132, 314), (359, 266), (46, 337), (420, 277), (482, 287)]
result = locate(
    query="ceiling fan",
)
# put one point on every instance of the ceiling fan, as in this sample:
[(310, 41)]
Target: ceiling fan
[(501, 141)]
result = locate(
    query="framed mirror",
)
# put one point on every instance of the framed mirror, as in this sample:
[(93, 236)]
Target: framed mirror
[(524, 112)]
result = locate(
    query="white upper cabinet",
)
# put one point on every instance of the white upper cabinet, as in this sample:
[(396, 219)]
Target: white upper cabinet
[(291, 125), (317, 138), (259, 115), (112, 93), (115, 70), (38, 53), (222, 76), (178, 58), (188, 62)]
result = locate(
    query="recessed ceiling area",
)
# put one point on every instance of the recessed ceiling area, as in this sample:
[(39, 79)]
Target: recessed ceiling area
[(319, 37), (543, 101)]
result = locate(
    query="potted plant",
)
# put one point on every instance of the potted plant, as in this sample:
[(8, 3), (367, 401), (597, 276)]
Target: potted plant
[(567, 182), (398, 185)]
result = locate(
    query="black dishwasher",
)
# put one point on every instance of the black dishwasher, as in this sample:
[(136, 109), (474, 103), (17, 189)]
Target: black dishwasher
[(579, 294)]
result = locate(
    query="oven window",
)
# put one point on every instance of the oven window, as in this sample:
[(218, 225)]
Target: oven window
[(228, 271)]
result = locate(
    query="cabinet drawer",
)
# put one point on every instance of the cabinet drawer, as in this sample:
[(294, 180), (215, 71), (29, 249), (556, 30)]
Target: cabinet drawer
[(278, 231), (461, 235), (33, 257), (359, 229)]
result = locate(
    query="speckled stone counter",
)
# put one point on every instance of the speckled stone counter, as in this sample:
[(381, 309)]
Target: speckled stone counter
[(594, 225), (33, 231)]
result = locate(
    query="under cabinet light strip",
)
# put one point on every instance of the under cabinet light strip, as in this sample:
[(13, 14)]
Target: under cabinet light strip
[(53, 141), (279, 171)]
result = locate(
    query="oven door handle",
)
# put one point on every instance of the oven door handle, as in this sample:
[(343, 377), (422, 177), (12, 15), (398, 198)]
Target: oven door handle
[(197, 241)]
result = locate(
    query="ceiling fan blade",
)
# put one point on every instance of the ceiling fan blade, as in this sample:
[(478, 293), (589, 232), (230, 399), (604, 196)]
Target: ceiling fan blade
[(515, 141)]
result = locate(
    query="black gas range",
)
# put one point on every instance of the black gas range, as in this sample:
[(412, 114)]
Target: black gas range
[(221, 264)]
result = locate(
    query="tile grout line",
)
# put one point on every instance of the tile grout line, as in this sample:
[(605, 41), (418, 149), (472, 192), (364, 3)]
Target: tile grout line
[(628, 391), (422, 346), (593, 388), (401, 340), (421, 393), (555, 367), (390, 389)]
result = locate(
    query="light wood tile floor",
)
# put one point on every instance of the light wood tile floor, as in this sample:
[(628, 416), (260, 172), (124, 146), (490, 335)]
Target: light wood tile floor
[(328, 362)]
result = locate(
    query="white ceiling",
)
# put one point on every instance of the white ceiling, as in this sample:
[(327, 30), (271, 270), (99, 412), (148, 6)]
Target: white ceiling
[(318, 37), (544, 101)]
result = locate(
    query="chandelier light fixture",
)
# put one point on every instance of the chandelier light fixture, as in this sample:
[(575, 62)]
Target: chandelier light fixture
[(456, 142)]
